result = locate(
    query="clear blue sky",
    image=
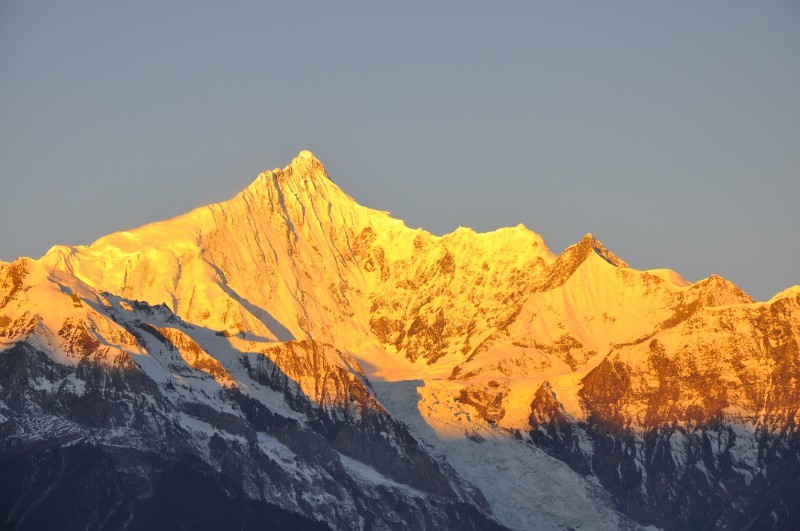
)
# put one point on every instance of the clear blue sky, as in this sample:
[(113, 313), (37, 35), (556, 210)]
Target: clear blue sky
[(670, 130)]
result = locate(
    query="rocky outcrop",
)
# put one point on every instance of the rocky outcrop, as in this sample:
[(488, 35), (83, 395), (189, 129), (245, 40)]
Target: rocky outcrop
[(674, 435)]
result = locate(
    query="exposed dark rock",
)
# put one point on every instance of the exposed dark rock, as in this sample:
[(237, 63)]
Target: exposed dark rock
[(65, 463), (89, 486)]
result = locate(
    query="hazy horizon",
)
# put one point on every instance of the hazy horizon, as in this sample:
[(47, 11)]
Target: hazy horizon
[(670, 132)]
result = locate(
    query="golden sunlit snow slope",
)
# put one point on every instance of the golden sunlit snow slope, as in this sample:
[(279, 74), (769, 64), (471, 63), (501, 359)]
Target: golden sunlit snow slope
[(294, 257)]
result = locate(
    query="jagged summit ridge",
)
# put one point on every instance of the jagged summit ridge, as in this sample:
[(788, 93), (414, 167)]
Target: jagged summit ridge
[(292, 245)]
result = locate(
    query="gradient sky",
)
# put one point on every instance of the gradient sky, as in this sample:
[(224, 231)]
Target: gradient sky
[(670, 130)]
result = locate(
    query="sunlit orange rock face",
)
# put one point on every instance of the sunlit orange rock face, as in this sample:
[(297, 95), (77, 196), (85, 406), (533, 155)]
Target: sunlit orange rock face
[(625, 375)]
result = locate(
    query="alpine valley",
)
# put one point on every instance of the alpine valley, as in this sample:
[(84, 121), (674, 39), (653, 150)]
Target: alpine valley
[(289, 359)]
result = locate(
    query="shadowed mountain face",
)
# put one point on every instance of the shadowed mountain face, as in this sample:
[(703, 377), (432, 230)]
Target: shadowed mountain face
[(290, 355)]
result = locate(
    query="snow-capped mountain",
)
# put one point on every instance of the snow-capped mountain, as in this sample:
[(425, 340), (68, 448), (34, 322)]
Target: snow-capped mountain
[(291, 356)]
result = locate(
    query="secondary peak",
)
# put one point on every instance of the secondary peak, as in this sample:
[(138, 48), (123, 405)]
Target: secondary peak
[(589, 243)]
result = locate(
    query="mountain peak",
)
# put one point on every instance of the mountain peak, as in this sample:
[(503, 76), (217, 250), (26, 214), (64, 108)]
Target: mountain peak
[(590, 243), (306, 155), (305, 176), (306, 160), (307, 165)]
